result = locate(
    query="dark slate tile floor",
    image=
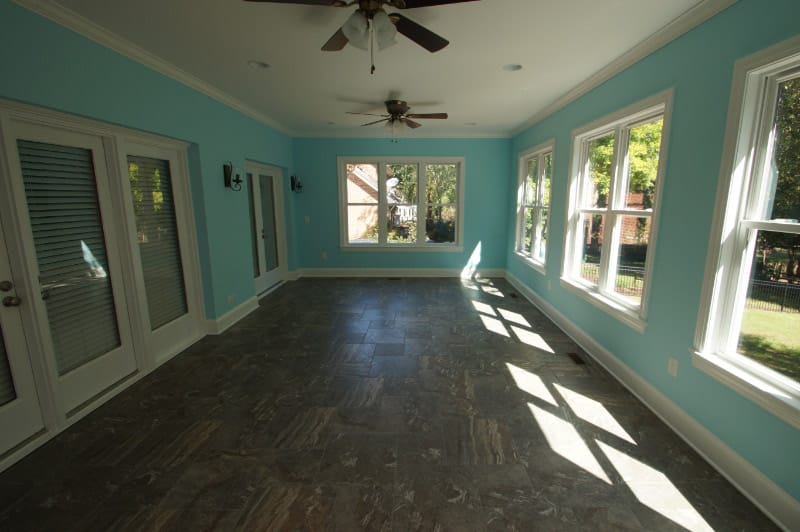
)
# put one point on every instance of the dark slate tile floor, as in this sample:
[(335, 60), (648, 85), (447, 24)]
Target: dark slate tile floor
[(375, 404)]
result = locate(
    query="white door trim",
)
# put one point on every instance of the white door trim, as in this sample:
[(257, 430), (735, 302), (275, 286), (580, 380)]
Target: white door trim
[(255, 168)]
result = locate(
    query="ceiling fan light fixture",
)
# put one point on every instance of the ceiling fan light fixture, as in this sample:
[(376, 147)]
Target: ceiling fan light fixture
[(385, 31), (356, 29)]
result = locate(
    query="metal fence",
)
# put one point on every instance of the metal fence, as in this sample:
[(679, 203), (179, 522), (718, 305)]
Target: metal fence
[(629, 281), (777, 297)]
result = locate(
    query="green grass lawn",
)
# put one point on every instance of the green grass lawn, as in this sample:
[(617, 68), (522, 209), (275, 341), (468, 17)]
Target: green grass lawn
[(772, 338)]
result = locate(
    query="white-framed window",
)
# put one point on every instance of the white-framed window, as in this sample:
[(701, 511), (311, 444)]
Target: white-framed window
[(748, 333), (401, 203), (616, 175), (533, 204)]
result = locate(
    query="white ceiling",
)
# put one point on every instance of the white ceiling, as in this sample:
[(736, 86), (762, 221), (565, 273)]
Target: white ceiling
[(306, 91)]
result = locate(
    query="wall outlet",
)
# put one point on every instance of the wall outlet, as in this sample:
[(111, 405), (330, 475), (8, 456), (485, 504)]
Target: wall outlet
[(307, 219), (324, 255), (672, 366), (231, 299)]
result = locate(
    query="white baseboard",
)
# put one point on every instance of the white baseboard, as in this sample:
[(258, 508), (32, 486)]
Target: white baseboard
[(221, 324), (395, 272), (763, 492)]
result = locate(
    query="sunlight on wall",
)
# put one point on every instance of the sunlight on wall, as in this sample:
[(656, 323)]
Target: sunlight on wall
[(531, 383), (653, 489), (472, 264), (532, 339), (564, 440), (593, 412)]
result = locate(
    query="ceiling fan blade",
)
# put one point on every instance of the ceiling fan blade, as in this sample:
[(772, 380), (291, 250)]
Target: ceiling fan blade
[(365, 114), (336, 42), (419, 34), (375, 122), (332, 3), (410, 123), (411, 4), (426, 115)]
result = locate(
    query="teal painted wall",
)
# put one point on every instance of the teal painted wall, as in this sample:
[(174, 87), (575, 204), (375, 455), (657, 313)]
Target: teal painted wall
[(699, 67), (486, 165), (44, 64)]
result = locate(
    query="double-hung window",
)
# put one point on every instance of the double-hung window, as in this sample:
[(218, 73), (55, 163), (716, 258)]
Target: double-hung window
[(617, 168), (533, 204), (401, 203), (749, 326)]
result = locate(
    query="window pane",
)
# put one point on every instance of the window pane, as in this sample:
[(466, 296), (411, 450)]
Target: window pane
[(362, 183), (362, 224), (771, 320), (528, 235), (644, 145), (401, 183), (593, 225), (401, 224), (541, 235), (440, 223), (548, 171), (634, 237), (595, 188), (531, 181), (254, 236), (786, 194), (441, 183)]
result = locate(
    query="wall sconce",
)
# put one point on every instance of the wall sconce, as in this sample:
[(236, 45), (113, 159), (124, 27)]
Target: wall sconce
[(232, 183), (297, 186)]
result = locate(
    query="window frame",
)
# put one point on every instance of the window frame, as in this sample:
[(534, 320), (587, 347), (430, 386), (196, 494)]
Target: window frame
[(382, 245), (529, 256), (738, 213), (620, 122)]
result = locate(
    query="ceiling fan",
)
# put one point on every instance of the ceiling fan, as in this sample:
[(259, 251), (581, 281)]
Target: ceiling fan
[(370, 21), (397, 113)]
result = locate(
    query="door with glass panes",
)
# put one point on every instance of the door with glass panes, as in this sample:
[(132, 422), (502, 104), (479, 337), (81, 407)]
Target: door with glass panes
[(20, 415), (266, 222), (63, 199)]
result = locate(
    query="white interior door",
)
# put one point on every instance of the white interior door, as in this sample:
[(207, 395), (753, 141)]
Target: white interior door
[(20, 415), (266, 215), (61, 193)]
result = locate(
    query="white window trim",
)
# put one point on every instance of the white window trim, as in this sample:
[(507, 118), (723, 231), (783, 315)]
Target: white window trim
[(767, 388), (380, 162), (635, 316), (524, 156)]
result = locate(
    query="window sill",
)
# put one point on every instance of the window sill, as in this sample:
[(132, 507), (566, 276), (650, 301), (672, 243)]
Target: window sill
[(629, 317), (438, 248), (531, 263), (783, 403)]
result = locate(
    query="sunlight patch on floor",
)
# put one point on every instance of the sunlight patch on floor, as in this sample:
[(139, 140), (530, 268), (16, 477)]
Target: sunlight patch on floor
[(494, 325), (532, 339), (483, 307), (513, 317), (565, 441), (653, 489), (531, 383), (593, 412)]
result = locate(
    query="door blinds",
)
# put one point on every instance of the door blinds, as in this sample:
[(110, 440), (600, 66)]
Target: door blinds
[(157, 235), (7, 392), (70, 246)]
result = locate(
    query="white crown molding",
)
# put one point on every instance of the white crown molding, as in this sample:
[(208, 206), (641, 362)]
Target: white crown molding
[(379, 134), (763, 492), (685, 22), (85, 27)]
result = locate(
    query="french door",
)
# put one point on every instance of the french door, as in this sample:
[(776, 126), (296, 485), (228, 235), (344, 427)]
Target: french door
[(20, 415), (266, 217), (63, 199)]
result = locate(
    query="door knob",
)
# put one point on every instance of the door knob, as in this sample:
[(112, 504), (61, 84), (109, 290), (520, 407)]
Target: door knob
[(11, 301), (5, 286)]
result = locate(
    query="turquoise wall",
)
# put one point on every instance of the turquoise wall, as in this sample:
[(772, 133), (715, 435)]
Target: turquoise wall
[(486, 165), (45, 64), (699, 67)]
